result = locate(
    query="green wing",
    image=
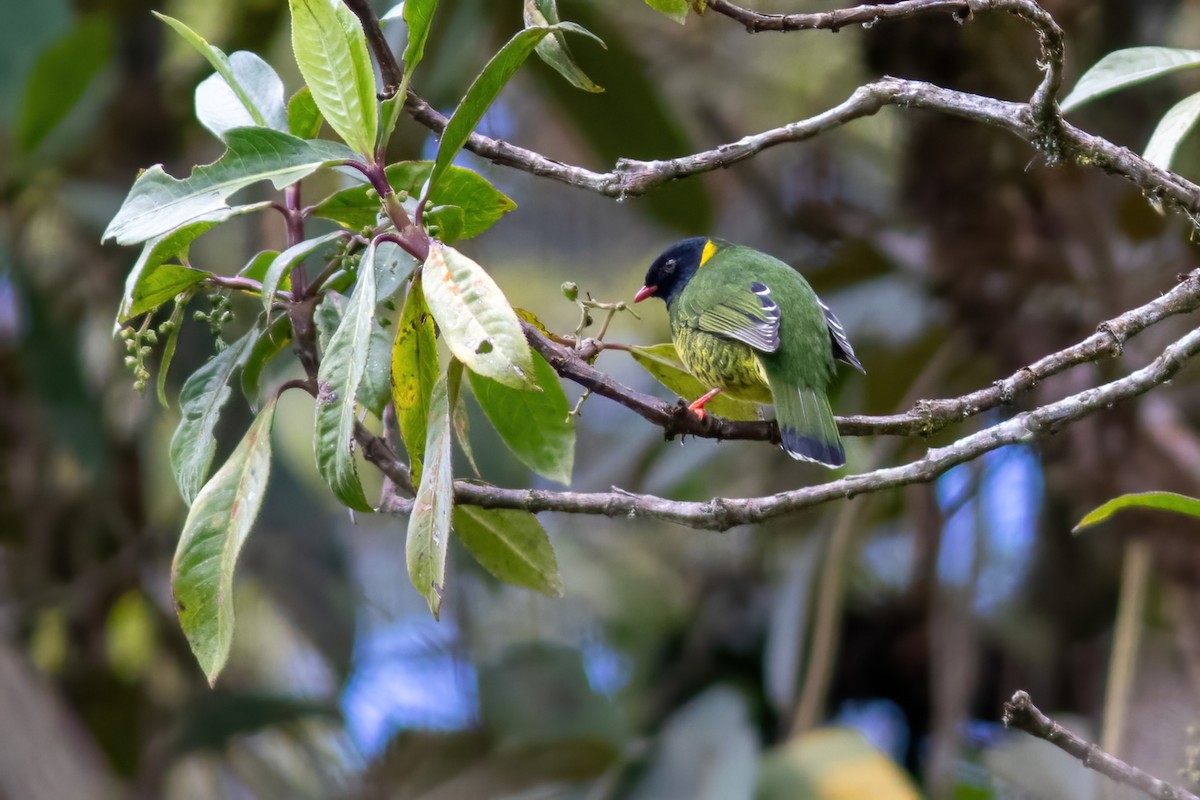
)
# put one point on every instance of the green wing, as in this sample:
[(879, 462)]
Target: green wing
[(749, 315)]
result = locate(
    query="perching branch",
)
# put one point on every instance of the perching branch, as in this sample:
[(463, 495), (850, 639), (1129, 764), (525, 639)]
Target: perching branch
[(925, 419), (724, 513), (1022, 714)]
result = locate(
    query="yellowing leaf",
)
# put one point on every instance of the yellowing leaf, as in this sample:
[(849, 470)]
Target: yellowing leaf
[(663, 363), (475, 317)]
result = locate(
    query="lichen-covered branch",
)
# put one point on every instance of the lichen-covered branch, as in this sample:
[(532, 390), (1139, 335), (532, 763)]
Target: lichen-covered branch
[(724, 513), (1022, 714), (925, 419)]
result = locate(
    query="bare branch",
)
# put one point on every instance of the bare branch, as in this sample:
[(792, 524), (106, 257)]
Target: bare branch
[(724, 513), (1049, 33), (1022, 714)]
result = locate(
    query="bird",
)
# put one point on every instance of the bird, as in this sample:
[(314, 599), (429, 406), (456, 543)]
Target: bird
[(747, 324)]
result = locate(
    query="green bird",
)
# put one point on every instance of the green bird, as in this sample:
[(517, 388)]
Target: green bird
[(747, 324)]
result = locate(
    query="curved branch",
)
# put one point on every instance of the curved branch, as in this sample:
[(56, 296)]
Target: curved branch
[(1022, 714), (1049, 33), (724, 513), (925, 419)]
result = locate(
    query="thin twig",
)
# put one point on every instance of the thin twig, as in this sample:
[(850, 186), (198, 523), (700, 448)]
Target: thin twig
[(1022, 714)]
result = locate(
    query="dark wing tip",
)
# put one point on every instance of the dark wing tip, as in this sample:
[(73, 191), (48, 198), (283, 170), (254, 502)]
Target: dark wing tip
[(810, 448)]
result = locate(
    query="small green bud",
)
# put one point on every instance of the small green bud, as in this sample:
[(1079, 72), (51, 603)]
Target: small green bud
[(127, 333), (570, 291), (139, 385), (130, 361), (152, 336), (200, 316)]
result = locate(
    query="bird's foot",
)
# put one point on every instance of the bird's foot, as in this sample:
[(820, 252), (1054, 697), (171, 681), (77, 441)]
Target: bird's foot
[(697, 406)]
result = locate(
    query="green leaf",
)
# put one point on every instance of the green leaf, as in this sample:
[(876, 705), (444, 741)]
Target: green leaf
[(219, 108), (512, 545), (663, 363), (270, 344), (536, 426), (203, 396), (458, 412), (220, 62), (256, 268), (304, 118), (376, 388), (483, 91), (477, 201), (675, 9), (216, 528), (475, 317), (418, 15), (159, 203), (342, 366), (1171, 129), (331, 51), (285, 261), (553, 49), (1128, 67), (176, 322), (145, 289), (60, 77), (414, 372), (429, 525), (1161, 501)]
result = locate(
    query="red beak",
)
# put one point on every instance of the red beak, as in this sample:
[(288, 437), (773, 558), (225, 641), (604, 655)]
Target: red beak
[(644, 292)]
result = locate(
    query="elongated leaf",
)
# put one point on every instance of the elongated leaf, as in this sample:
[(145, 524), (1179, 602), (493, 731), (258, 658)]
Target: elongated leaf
[(220, 62), (342, 367), (414, 372), (458, 412), (375, 390), (60, 77), (213, 535), (159, 203), (203, 396), (270, 344), (1128, 67), (142, 286), (675, 9), (663, 363), (475, 317), (553, 49), (429, 525), (512, 545), (1161, 501), (331, 51), (418, 15), (483, 91), (536, 426), (283, 263), (176, 321), (219, 108), (304, 118), (161, 285), (479, 203), (1171, 129)]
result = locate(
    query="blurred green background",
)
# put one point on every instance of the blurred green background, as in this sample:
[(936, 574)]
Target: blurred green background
[(859, 650)]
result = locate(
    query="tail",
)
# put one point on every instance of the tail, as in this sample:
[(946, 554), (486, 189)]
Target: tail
[(806, 424)]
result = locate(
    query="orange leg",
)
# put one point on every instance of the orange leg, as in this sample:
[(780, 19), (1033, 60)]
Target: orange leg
[(698, 405)]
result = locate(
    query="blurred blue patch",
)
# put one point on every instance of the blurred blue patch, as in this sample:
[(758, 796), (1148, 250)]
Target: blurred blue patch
[(994, 502), (880, 721), (608, 671), (407, 675)]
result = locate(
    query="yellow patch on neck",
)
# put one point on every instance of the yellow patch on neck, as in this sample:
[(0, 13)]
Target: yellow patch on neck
[(709, 251)]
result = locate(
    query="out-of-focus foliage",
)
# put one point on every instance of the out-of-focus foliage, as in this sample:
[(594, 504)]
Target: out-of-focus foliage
[(676, 661)]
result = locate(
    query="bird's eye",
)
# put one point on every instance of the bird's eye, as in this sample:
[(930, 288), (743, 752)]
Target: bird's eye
[(669, 266)]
